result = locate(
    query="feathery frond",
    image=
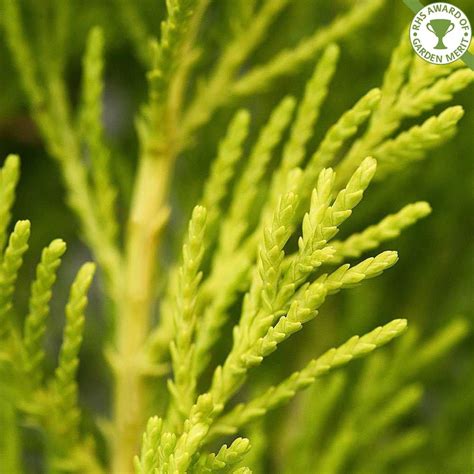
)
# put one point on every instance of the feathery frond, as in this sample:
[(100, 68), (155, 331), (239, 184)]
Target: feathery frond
[(197, 344), (35, 322), (182, 347), (64, 387), (91, 123), (9, 175), (11, 263)]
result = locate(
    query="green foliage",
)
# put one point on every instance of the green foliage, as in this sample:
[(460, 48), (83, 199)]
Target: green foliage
[(280, 394), (388, 228), (182, 350), (8, 180), (287, 61), (65, 389), (309, 109), (223, 167), (382, 396), (226, 457), (11, 262), (400, 100), (49, 404), (35, 322), (197, 347), (92, 130)]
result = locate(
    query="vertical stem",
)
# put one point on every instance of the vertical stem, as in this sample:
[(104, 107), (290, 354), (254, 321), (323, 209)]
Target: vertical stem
[(149, 212), (10, 456), (147, 216)]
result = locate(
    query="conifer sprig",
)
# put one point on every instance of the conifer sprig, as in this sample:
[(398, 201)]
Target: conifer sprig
[(305, 306), (305, 121), (214, 90), (223, 167), (441, 91), (11, 263), (35, 322), (388, 228), (401, 100), (423, 74), (268, 238), (345, 128), (246, 189), (148, 460), (313, 239), (242, 470), (394, 78), (316, 90), (414, 144), (64, 385), (222, 170), (223, 85), (183, 386), (9, 175), (92, 129), (288, 60), (229, 377), (173, 32), (52, 111), (275, 396), (52, 407), (390, 398), (23, 55), (225, 458), (134, 22)]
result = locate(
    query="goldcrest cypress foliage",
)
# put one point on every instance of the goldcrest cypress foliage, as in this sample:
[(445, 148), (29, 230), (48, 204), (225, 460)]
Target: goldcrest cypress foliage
[(258, 264)]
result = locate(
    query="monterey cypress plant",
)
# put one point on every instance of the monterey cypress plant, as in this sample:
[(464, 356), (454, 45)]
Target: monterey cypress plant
[(260, 259)]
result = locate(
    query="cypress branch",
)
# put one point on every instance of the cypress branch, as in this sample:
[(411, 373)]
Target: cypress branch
[(147, 463), (251, 271), (344, 129), (309, 108), (242, 470), (437, 346), (414, 144), (387, 229), (275, 396), (9, 175), (400, 99), (35, 322), (395, 76), (307, 115), (11, 263), (214, 91), (224, 459), (223, 167), (441, 91), (64, 386), (305, 306), (183, 386), (91, 117), (423, 74), (289, 60), (173, 31), (246, 189)]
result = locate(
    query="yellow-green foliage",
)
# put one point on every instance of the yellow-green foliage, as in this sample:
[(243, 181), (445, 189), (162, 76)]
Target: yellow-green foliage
[(52, 403), (258, 262)]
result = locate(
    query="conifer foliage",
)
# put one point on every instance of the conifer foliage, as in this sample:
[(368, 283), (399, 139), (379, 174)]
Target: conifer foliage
[(260, 259)]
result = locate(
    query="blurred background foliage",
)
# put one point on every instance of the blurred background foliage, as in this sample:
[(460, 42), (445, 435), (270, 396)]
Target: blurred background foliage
[(431, 284)]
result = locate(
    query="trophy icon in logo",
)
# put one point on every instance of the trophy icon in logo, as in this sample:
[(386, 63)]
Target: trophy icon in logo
[(440, 27)]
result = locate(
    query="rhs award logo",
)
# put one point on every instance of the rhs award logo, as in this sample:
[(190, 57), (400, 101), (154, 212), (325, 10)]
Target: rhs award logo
[(440, 33)]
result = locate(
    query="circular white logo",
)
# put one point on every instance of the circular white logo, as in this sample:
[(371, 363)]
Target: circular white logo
[(440, 33)]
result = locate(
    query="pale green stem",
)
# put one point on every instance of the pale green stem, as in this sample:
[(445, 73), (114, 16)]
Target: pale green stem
[(10, 457), (147, 216)]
